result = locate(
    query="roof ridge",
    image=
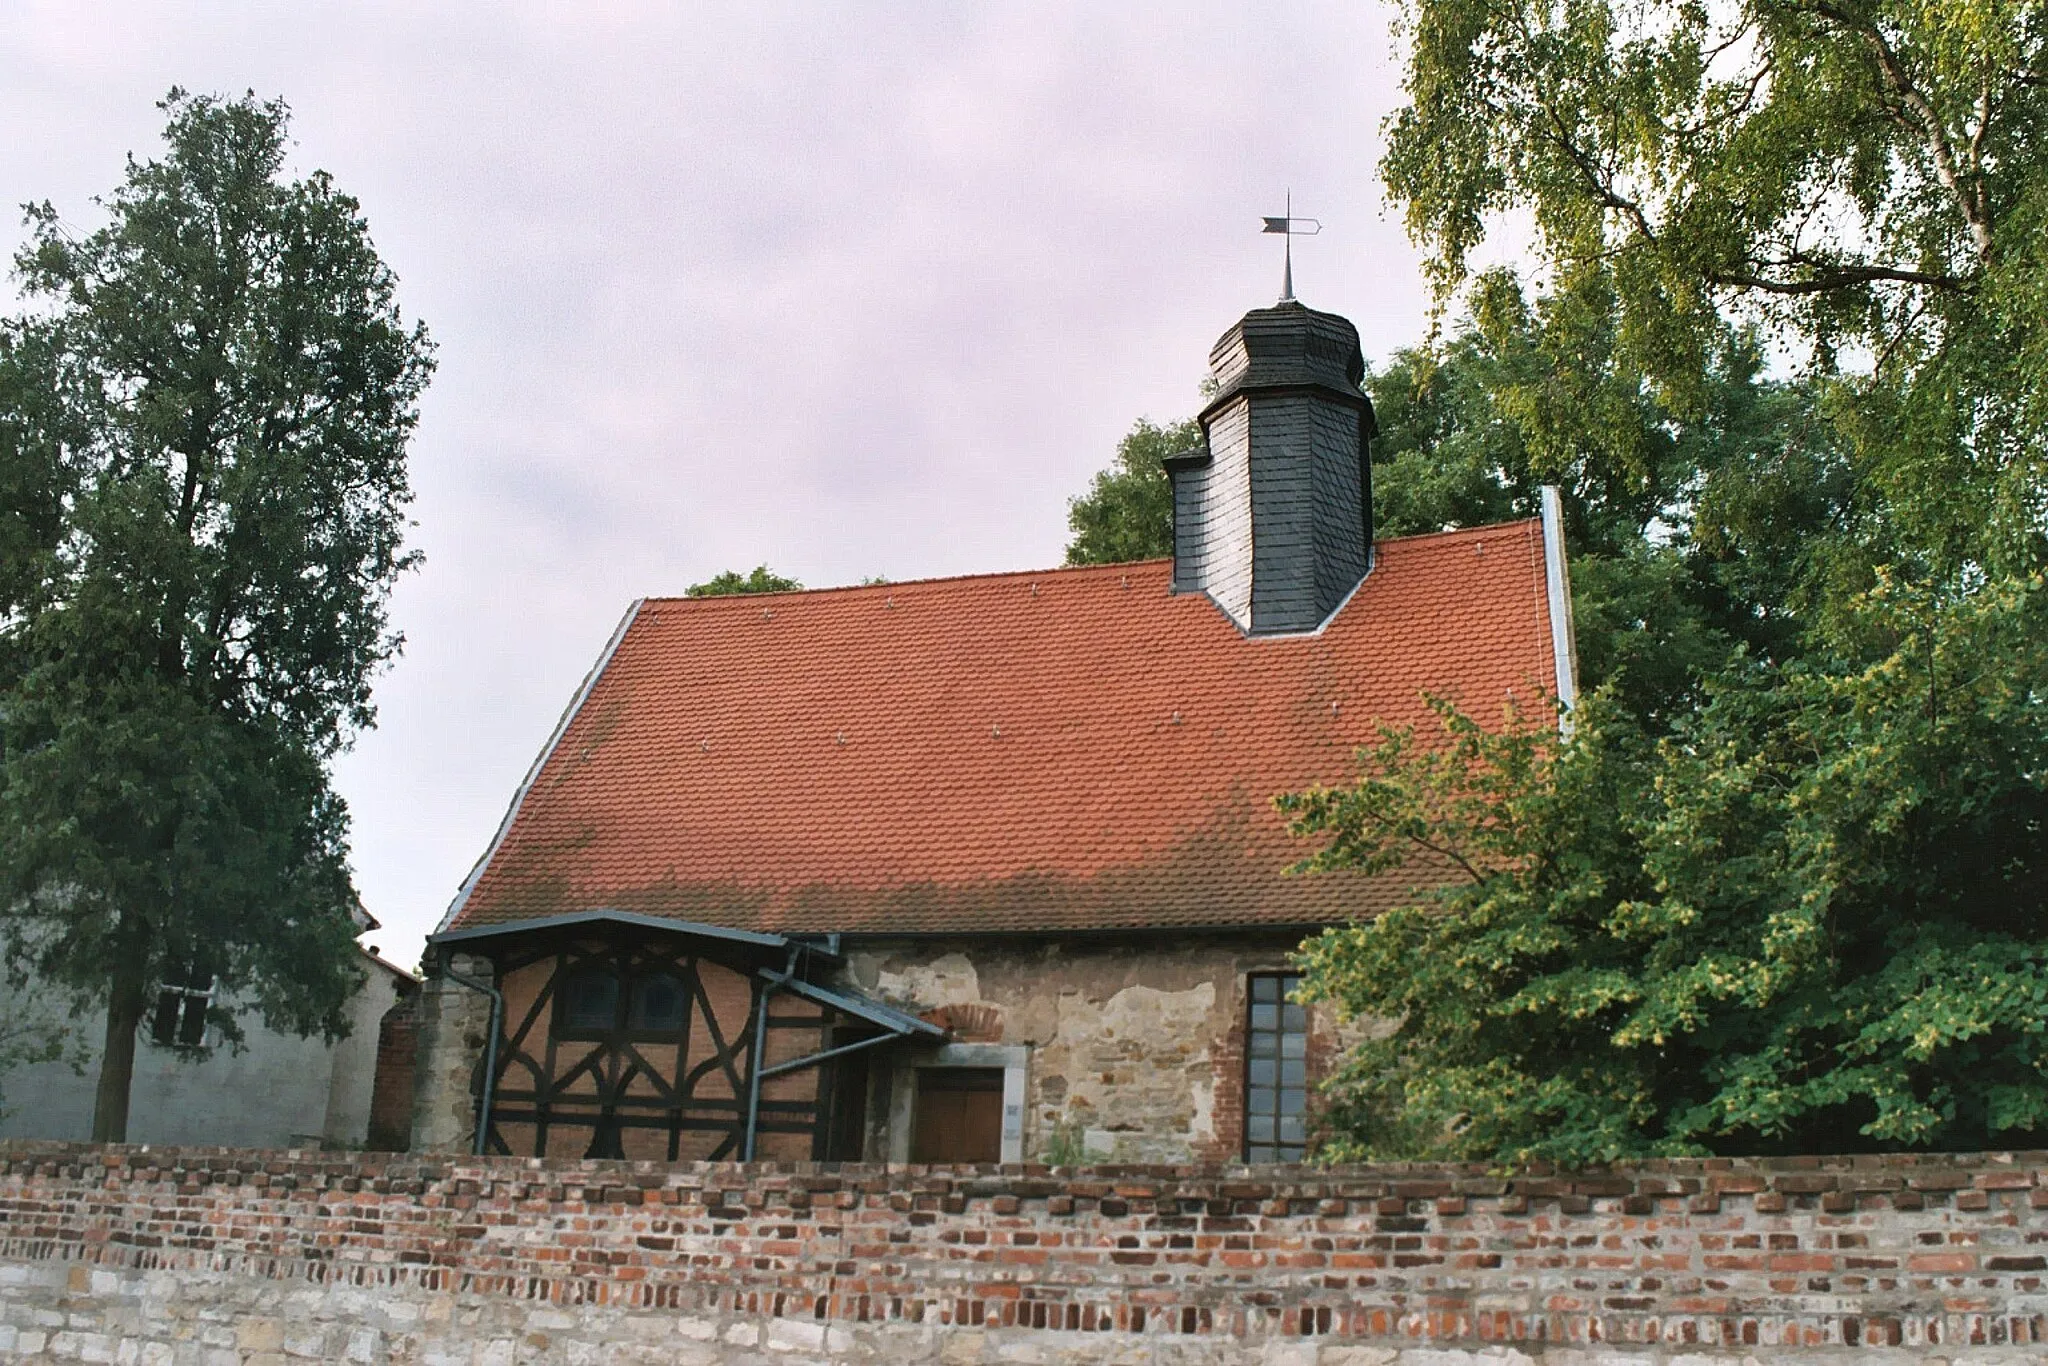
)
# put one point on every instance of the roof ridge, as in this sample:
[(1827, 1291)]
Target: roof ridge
[(1512, 522), (1117, 566), (1120, 566)]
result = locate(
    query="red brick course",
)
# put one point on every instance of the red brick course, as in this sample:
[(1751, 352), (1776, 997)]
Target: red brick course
[(391, 1090), (1910, 1251)]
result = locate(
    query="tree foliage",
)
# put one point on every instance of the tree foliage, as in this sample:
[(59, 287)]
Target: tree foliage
[(761, 579), (204, 415), (1807, 920), (1127, 512), (1863, 179), (1692, 535), (1791, 895)]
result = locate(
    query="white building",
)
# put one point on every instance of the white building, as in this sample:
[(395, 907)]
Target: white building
[(275, 1091)]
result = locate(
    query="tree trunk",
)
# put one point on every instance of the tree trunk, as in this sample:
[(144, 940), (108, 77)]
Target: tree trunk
[(125, 1005)]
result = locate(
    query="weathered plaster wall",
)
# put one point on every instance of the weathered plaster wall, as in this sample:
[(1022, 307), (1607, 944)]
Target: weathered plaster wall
[(1134, 1046), (255, 1259), (398, 1036), (278, 1090)]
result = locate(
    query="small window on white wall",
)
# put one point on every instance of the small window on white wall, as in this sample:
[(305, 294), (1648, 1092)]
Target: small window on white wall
[(179, 1020)]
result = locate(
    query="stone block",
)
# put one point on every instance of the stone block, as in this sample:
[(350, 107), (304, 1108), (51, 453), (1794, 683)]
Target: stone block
[(795, 1335), (1358, 1356), (307, 1341), (95, 1347), (962, 1346), (259, 1334)]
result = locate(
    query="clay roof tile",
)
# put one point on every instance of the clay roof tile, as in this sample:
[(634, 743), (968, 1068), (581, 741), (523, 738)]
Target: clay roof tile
[(1053, 751)]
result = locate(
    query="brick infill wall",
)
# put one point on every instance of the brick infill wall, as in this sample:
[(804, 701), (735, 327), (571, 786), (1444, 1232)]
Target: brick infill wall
[(1760, 1258)]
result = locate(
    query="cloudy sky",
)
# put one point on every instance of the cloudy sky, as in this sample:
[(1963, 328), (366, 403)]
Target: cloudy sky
[(848, 290)]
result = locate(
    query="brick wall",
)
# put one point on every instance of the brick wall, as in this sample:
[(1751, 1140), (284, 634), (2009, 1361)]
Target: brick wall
[(241, 1255), (391, 1091)]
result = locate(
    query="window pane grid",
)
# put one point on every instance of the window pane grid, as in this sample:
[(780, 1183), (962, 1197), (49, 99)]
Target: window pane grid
[(1276, 1070)]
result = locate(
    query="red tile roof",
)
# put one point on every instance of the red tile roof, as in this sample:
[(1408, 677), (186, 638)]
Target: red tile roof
[(1071, 749)]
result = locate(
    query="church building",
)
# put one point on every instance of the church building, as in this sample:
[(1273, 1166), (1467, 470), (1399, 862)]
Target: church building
[(985, 868)]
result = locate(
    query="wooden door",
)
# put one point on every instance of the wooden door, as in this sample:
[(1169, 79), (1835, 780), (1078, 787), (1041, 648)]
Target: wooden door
[(959, 1115)]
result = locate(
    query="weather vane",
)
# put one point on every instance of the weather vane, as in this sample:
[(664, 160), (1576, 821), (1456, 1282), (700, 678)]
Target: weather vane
[(1290, 227)]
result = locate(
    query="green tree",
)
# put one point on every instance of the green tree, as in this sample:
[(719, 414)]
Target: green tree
[(1692, 534), (1801, 908), (1809, 920), (205, 412), (1686, 539), (1863, 179), (761, 579), (1127, 512)]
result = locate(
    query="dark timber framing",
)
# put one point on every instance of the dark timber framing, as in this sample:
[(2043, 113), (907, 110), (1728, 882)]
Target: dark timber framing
[(602, 1081)]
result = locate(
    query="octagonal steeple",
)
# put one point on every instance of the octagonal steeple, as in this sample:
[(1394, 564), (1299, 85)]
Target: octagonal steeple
[(1273, 515)]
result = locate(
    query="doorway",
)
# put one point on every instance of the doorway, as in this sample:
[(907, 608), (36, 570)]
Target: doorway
[(959, 1115)]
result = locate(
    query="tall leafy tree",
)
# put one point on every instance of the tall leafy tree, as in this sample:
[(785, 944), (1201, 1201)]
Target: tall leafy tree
[(1692, 534), (1862, 178), (1809, 920), (1805, 908), (204, 416)]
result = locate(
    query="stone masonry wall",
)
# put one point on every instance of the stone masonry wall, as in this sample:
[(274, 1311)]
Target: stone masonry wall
[(211, 1256), (1136, 1047), (454, 1022)]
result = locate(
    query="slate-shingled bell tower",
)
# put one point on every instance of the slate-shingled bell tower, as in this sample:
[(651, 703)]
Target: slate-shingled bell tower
[(1272, 517)]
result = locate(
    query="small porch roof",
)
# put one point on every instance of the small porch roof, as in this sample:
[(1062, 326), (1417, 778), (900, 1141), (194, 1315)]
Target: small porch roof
[(845, 1000), (862, 1007), (519, 929)]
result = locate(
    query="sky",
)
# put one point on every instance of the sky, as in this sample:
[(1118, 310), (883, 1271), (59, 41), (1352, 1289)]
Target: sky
[(848, 291)]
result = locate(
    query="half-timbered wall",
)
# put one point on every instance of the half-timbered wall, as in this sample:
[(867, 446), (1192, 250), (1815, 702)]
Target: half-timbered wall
[(673, 1093)]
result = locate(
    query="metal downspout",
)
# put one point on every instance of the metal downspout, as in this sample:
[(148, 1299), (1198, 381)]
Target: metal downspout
[(1557, 586), (754, 1068), (488, 1091)]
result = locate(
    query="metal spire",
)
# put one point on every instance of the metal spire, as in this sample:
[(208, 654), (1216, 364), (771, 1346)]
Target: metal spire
[(1290, 227)]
